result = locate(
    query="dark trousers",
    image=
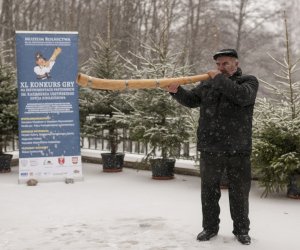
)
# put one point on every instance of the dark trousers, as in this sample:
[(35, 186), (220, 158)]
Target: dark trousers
[(238, 169)]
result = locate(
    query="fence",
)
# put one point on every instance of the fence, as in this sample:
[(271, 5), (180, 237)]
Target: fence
[(10, 145), (187, 150)]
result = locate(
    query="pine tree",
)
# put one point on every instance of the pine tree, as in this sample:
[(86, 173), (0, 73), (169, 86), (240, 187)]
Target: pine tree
[(8, 102), (100, 105), (276, 147), (156, 118)]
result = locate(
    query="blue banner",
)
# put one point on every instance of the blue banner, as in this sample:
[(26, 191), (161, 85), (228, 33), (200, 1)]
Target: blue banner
[(49, 132)]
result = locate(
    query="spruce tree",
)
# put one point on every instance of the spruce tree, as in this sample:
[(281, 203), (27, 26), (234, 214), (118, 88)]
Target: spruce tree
[(276, 144), (8, 102), (100, 105), (157, 120)]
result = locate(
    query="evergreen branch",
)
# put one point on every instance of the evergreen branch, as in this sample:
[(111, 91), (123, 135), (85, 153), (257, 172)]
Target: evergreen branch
[(295, 70), (287, 64), (296, 62), (286, 72), (268, 88), (280, 63), (297, 99), (284, 83), (283, 77), (129, 61), (269, 84)]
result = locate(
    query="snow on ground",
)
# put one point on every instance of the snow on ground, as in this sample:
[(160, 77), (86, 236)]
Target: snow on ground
[(129, 210)]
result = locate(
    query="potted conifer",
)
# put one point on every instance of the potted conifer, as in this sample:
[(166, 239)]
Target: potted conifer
[(156, 119), (276, 148), (155, 122), (276, 144), (101, 105), (8, 111)]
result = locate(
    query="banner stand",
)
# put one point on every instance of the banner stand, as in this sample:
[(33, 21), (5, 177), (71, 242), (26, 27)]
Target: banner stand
[(49, 130)]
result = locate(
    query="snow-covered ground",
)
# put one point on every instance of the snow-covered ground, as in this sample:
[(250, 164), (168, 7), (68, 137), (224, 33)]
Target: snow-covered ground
[(129, 210)]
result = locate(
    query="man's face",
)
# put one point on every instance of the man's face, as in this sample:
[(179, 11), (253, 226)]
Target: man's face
[(227, 65), (41, 62)]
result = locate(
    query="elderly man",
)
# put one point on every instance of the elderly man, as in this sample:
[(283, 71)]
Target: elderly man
[(224, 134)]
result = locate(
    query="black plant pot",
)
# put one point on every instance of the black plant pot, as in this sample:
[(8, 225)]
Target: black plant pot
[(293, 189), (5, 160), (162, 169), (112, 162)]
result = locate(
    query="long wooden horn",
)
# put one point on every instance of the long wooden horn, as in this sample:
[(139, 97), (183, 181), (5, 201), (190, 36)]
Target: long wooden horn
[(110, 84)]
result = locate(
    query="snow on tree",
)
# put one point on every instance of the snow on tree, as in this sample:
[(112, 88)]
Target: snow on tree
[(100, 105), (276, 143), (156, 118)]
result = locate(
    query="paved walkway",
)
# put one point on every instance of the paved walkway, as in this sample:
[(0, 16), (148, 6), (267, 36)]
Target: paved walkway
[(126, 210), (129, 210)]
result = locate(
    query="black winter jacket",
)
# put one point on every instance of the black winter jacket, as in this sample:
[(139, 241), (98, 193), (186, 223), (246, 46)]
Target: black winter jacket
[(226, 112)]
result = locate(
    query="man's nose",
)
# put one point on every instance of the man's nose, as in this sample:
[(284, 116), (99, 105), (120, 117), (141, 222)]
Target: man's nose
[(220, 67)]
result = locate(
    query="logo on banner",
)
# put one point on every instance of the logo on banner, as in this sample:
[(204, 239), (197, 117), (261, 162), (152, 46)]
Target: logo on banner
[(75, 160), (33, 163), (61, 160), (24, 162), (47, 162)]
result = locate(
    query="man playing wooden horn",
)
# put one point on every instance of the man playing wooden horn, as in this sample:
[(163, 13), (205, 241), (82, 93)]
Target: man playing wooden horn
[(226, 104), (44, 66)]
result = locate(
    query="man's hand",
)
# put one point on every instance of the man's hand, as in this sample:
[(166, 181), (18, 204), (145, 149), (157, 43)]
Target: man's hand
[(213, 73), (46, 64), (172, 88)]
